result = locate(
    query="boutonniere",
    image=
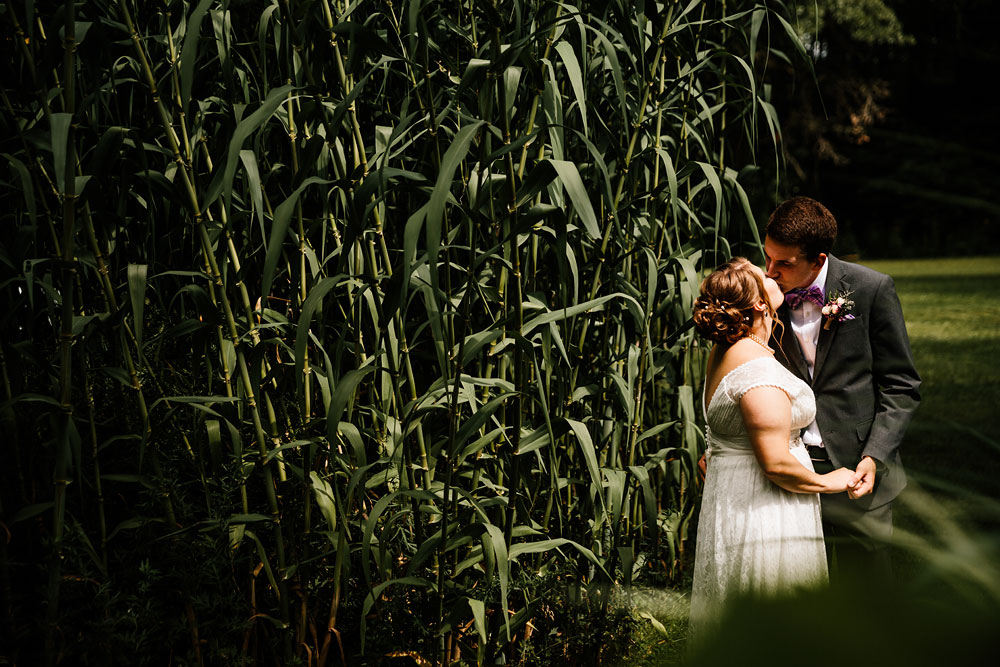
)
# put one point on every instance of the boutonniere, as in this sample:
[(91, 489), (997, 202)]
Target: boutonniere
[(838, 308)]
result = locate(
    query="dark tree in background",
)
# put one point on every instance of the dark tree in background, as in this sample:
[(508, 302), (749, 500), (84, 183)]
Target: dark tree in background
[(898, 134)]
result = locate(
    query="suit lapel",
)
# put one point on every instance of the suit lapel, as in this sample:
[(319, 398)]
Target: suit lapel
[(835, 278), (789, 351)]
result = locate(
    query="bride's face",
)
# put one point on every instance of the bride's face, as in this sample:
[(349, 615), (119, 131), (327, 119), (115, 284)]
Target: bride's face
[(774, 294)]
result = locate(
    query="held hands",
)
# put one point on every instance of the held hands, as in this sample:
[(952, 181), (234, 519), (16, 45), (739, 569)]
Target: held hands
[(839, 480), (863, 480)]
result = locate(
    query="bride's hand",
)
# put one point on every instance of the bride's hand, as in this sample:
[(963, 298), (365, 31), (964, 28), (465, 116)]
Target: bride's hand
[(839, 480)]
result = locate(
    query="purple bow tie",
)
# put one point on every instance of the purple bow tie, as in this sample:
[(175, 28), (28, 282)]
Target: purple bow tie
[(796, 297)]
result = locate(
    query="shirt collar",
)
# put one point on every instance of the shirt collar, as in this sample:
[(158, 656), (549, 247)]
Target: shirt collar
[(820, 280)]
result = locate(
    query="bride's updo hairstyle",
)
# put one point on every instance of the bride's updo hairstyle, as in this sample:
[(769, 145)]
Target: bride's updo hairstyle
[(724, 312)]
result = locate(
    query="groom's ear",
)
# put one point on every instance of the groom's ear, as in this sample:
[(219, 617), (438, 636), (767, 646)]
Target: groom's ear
[(820, 260)]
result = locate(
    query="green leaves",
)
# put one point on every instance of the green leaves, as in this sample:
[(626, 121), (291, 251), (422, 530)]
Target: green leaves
[(279, 230), (573, 71), (570, 179), (406, 313), (137, 294), (455, 155), (189, 52), (60, 126), (222, 184)]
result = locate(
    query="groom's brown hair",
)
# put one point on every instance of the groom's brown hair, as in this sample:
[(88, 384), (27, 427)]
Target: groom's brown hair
[(803, 222)]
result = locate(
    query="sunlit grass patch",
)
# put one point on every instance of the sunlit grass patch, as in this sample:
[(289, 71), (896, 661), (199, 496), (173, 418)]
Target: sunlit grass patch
[(952, 312), (662, 639)]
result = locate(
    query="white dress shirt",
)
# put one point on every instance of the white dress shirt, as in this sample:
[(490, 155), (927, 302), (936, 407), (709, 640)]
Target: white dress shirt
[(806, 322)]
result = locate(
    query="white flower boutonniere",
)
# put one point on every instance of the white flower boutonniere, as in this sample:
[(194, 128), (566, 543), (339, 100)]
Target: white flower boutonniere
[(838, 308)]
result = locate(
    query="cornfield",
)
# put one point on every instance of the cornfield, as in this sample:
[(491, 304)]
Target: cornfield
[(327, 326)]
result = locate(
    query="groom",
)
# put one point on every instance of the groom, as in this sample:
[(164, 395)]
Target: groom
[(844, 335)]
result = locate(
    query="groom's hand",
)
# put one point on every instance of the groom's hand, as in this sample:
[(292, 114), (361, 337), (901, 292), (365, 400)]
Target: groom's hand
[(863, 481)]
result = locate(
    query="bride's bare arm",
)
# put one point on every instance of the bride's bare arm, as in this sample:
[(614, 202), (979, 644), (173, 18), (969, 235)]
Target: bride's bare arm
[(767, 415)]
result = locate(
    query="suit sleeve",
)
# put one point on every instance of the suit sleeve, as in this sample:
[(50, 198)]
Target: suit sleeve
[(895, 378)]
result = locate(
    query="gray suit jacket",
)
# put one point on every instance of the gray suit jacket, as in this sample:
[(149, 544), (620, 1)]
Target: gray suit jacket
[(865, 384)]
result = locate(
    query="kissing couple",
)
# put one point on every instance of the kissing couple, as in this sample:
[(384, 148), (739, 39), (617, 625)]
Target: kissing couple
[(809, 388)]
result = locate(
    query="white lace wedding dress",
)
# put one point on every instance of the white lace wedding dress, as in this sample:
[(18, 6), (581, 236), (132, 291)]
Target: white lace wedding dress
[(754, 538)]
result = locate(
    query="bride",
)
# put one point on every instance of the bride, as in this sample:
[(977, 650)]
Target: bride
[(759, 531)]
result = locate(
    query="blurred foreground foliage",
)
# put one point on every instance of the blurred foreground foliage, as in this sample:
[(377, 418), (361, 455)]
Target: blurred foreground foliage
[(945, 609)]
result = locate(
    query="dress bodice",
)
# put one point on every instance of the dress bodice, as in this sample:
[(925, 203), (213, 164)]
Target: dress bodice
[(725, 432)]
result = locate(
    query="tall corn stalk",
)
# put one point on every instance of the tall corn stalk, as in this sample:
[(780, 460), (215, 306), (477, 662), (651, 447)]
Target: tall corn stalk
[(382, 306)]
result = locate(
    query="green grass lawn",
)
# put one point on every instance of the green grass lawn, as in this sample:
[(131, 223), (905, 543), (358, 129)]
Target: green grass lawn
[(952, 448), (952, 311)]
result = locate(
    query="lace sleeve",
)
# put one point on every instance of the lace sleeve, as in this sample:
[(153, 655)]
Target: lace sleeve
[(763, 372)]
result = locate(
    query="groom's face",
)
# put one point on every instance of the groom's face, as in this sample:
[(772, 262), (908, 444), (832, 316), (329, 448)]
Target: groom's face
[(787, 265)]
